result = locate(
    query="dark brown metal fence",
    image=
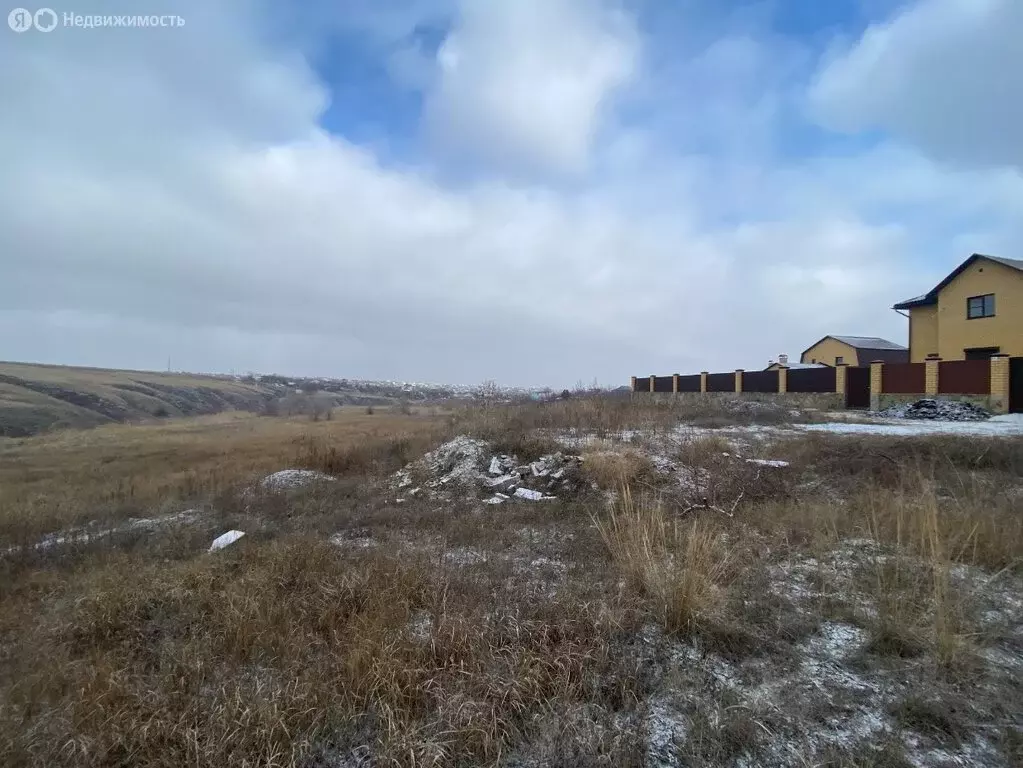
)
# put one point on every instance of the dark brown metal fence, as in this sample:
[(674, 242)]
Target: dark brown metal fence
[(663, 384), (642, 384), (857, 386), (811, 380), (689, 383), (964, 377), (760, 381), (721, 382), (903, 378)]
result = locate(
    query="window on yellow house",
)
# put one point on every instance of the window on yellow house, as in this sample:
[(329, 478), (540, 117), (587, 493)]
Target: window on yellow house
[(980, 306)]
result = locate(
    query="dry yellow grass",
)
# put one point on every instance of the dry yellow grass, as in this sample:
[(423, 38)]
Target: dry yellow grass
[(615, 469), (681, 566), (437, 632), (66, 478)]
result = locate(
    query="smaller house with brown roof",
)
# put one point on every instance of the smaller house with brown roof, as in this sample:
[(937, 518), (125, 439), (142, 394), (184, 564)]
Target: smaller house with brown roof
[(854, 350)]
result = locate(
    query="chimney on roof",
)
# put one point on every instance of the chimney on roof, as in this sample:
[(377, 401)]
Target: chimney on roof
[(783, 359)]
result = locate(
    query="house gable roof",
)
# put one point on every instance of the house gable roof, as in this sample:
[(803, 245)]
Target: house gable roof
[(869, 348), (931, 297)]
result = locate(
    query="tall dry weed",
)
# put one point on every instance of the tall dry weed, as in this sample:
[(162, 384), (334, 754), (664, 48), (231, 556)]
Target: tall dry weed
[(680, 566)]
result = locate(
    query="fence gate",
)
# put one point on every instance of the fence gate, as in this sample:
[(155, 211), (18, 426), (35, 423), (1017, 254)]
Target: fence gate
[(1016, 384), (857, 387)]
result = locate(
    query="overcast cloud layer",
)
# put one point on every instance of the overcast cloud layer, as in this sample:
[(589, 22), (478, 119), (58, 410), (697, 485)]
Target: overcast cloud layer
[(561, 190)]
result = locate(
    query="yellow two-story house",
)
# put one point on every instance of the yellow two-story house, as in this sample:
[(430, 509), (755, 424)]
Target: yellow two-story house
[(974, 313)]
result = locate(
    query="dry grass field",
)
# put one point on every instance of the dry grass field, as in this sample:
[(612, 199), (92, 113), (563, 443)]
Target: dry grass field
[(837, 601)]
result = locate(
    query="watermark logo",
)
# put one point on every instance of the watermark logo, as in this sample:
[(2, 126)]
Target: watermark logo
[(46, 20)]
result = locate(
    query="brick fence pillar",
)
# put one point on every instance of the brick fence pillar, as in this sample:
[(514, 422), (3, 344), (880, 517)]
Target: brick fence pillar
[(633, 383), (653, 384), (738, 379), (932, 368), (783, 379), (674, 382), (840, 380), (999, 398), (876, 384), (703, 380)]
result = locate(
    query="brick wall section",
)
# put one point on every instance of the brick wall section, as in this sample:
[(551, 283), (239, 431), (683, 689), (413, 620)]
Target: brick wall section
[(999, 397), (931, 371), (876, 375), (840, 379)]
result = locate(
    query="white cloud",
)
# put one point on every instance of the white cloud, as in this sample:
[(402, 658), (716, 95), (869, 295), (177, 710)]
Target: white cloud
[(528, 82), (944, 75), (164, 204)]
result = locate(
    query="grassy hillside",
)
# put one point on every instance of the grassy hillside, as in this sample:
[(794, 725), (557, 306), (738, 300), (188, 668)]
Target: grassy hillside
[(37, 398)]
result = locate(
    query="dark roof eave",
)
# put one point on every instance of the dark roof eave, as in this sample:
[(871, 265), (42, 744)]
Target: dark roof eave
[(923, 301), (931, 297)]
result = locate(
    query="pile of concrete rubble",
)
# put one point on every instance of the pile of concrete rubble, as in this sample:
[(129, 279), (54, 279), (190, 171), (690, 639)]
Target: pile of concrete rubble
[(937, 410), (470, 466)]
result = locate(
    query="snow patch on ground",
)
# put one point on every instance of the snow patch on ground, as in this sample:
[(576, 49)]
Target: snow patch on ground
[(86, 534), (995, 427), (768, 462)]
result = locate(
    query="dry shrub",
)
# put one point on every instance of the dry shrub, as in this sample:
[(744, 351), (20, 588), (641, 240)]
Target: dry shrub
[(616, 469), (910, 493), (704, 450), (886, 460), (606, 416), (377, 455), (681, 567)]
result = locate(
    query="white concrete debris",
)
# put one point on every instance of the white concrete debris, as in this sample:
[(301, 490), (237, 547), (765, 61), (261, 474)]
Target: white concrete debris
[(289, 479), (503, 464), (225, 540), (466, 463), (457, 461), (501, 482), (531, 495)]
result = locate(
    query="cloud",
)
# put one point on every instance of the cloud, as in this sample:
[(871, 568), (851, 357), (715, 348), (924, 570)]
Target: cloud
[(529, 82), (166, 204), (943, 75)]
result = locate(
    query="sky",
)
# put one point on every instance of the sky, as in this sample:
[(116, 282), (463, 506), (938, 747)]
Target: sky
[(537, 192)]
